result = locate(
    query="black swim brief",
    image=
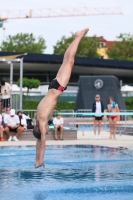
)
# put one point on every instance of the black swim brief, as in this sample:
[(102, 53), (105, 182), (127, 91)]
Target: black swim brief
[(54, 84), (36, 131)]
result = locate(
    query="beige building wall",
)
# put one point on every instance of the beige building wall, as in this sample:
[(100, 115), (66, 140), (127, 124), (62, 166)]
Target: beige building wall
[(103, 52)]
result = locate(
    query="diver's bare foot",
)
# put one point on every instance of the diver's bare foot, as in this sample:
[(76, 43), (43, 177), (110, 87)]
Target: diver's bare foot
[(42, 165), (81, 33), (39, 165), (110, 138), (36, 163)]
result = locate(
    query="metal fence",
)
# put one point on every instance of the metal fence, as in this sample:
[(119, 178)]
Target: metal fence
[(125, 125), (69, 120), (84, 122), (76, 120), (15, 101)]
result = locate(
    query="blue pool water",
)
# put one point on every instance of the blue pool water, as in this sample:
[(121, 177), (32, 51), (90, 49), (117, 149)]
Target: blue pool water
[(104, 127), (71, 172)]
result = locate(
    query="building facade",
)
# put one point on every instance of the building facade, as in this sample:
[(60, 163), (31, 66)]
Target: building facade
[(44, 67)]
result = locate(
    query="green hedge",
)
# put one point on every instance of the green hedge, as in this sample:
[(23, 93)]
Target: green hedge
[(129, 103), (32, 105)]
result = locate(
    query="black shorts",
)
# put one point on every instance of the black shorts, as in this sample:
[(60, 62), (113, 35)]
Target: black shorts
[(54, 84), (98, 118), (15, 129), (5, 103)]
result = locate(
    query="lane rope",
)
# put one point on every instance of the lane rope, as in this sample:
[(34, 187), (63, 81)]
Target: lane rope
[(93, 114)]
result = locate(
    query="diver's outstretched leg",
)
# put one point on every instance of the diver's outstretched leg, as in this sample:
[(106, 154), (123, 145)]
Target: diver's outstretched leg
[(41, 145), (64, 72)]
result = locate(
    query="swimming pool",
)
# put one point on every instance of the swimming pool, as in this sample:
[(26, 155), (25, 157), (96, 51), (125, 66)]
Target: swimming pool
[(71, 172), (90, 127)]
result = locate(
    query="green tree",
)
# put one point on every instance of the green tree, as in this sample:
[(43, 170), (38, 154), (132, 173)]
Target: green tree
[(129, 103), (87, 47), (122, 49), (29, 83), (23, 42)]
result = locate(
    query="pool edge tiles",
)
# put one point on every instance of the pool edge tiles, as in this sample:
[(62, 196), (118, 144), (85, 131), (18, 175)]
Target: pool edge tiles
[(123, 141)]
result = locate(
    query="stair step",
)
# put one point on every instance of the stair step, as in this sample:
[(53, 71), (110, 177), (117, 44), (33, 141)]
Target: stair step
[(28, 136)]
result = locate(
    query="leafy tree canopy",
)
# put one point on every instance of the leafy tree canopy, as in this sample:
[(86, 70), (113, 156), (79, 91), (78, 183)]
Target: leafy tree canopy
[(87, 47), (29, 83), (122, 49), (23, 42)]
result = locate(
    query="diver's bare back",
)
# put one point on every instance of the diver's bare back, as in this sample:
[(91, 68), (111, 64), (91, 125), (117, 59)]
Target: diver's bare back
[(47, 105)]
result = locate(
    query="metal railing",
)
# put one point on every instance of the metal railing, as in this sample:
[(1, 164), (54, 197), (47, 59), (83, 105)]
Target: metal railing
[(84, 122), (76, 120), (69, 120)]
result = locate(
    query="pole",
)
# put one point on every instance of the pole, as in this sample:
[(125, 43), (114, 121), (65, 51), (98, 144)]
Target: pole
[(11, 81), (121, 83), (21, 83)]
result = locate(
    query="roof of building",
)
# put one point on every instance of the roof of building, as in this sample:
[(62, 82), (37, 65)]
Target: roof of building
[(107, 42), (79, 61)]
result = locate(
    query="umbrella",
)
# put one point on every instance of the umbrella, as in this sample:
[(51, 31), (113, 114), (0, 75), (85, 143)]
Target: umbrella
[(126, 89)]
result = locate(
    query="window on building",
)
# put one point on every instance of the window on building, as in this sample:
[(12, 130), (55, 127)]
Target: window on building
[(102, 44)]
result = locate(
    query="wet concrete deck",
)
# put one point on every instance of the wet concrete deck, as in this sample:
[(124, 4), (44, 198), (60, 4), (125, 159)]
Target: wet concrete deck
[(83, 138)]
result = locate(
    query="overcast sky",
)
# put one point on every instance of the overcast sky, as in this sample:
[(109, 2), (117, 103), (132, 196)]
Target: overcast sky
[(52, 29)]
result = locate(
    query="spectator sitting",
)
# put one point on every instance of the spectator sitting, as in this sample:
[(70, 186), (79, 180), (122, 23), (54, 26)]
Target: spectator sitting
[(0, 101), (22, 120), (1, 129), (7, 113), (50, 121), (12, 123), (58, 124), (25, 115)]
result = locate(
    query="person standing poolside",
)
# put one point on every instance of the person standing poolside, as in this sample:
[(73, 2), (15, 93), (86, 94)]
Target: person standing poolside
[(48, 103), (5, 92), (112, 107), (97, 109)]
